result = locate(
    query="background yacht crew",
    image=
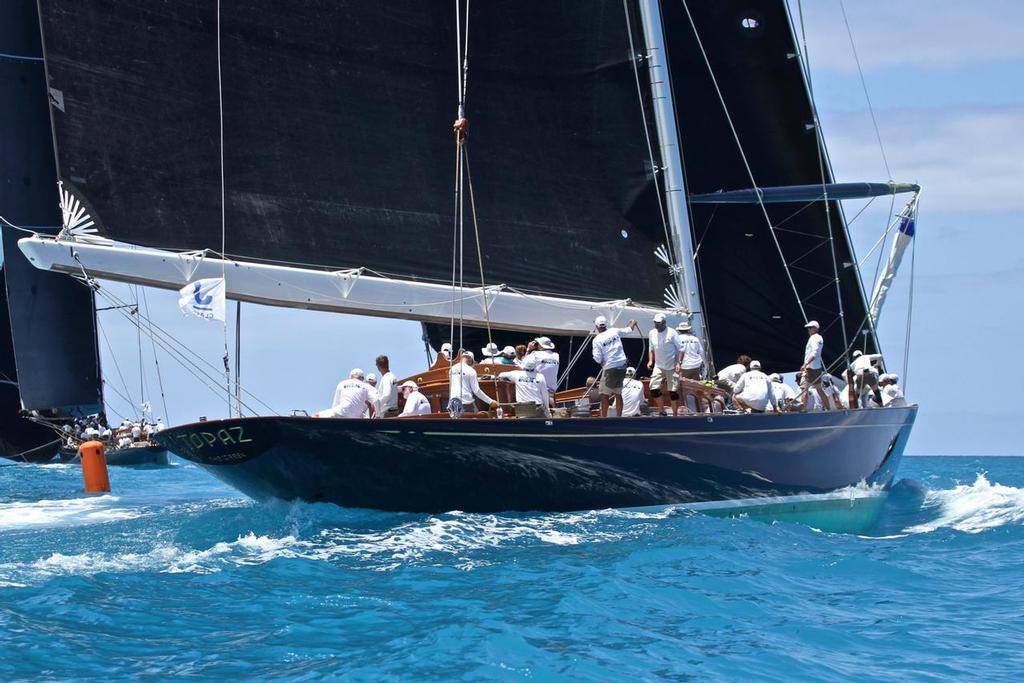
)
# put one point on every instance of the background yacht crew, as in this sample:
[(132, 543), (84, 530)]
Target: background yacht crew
[(387, 389), (542, 352), (351, 397), (754, 390), (531, 385), (663, 358), (464, 387), (608, 353), (632, 394), (812, 368), (783, 392), (415, 402)]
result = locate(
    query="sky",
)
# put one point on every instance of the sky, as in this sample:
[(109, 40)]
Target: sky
[(945, 79)]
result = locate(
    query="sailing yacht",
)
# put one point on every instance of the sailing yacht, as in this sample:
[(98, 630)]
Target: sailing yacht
[(613, 158)]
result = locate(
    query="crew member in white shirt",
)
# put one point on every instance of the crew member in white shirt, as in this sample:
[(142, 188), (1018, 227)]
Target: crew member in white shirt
[(542, 352), (865, 368), (691, 352), (464, 387), (416, 403), (892, 395), (754, 391), (812, 368), (531, 385), (632, 394), (783, 392), (663, 360), (728, 376), (387, 389), (608, 353), (352, 397)]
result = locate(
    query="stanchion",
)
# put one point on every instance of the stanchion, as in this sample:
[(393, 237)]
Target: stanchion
[(94, 467)]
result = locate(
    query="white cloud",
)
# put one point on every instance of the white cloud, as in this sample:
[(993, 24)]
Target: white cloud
[(921, 33), (966, 159)]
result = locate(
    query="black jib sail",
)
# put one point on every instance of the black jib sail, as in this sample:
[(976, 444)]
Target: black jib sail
[(337, 135), (750, 303), (51, 317)]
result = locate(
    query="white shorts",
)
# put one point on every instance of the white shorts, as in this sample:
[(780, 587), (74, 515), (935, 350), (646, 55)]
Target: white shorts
[(662, 376)]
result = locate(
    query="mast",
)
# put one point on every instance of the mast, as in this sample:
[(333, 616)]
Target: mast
[(674, 187)]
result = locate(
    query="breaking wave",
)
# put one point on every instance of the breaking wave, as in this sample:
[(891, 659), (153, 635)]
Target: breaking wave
[(971, 508), (47, 513)]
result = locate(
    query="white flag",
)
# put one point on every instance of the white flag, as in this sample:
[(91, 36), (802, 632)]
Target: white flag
[(904, 234), (203, 298)]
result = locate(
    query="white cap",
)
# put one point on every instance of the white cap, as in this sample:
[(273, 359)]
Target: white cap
[(545, 343), (894, 377), (357, 373), (530, 363), (600, 321), (630, 371), (659, 317), (857, 353), (812, 323), (683, 326), (508, 351), (755, 365), (446, 347), (469, 355), (409, 384), (490, 350), (371, 378), (775, 377)]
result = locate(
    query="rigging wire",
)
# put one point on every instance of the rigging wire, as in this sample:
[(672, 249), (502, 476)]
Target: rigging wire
[(479, 252), (117, 366), (821, 166), (156, 359), (223, 207), (743, 155)]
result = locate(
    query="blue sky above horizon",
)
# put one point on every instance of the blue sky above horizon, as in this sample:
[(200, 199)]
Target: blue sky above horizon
[(945, 79)]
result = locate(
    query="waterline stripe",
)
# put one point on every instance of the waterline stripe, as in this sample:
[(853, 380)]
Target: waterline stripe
[(506, 435)]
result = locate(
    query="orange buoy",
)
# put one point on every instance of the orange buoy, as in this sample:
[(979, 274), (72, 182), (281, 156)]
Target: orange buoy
[(94, 467)]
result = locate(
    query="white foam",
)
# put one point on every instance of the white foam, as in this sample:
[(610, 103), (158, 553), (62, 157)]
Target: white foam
[(973, 508), (47, 513)]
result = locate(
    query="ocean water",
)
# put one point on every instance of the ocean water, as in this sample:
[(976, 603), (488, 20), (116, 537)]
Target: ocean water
[(175, 576)]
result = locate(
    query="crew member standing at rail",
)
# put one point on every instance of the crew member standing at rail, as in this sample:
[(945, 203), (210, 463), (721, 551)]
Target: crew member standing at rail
[(663, 359), (464, 387), (608, 353), (541, 352), (387, 389), (813, 368), (691, 352)]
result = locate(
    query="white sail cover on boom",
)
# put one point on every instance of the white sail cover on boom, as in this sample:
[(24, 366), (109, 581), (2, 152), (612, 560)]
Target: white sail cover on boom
[(904, 235)]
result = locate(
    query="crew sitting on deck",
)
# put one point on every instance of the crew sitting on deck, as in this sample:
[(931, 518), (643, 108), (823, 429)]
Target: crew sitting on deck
[(507, 357), (488, 353), (663, 358), (784, 394), (754, 392), (892, 395), (730, 374), (351, 397), (608, 353), (831, 388), (464, 388), (416, 403), (387, 391), (632, 394), (531, 388)]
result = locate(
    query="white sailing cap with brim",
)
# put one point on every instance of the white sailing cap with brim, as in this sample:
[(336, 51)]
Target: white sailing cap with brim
[(371, 377), (659, 317), (508, 351), (446, 347), (356, 373), (469, 355), (812, 323), (530, 364), (630, 371), (600, 321), (490, 350), (545, 343), (755, 365), (409, 384), (684, 326), (775, 377), (857, 353)]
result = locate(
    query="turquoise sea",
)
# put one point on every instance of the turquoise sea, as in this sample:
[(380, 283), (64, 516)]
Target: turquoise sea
[(175, 576)]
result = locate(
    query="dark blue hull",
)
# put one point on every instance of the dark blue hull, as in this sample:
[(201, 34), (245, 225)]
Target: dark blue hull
[(432, 465)]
